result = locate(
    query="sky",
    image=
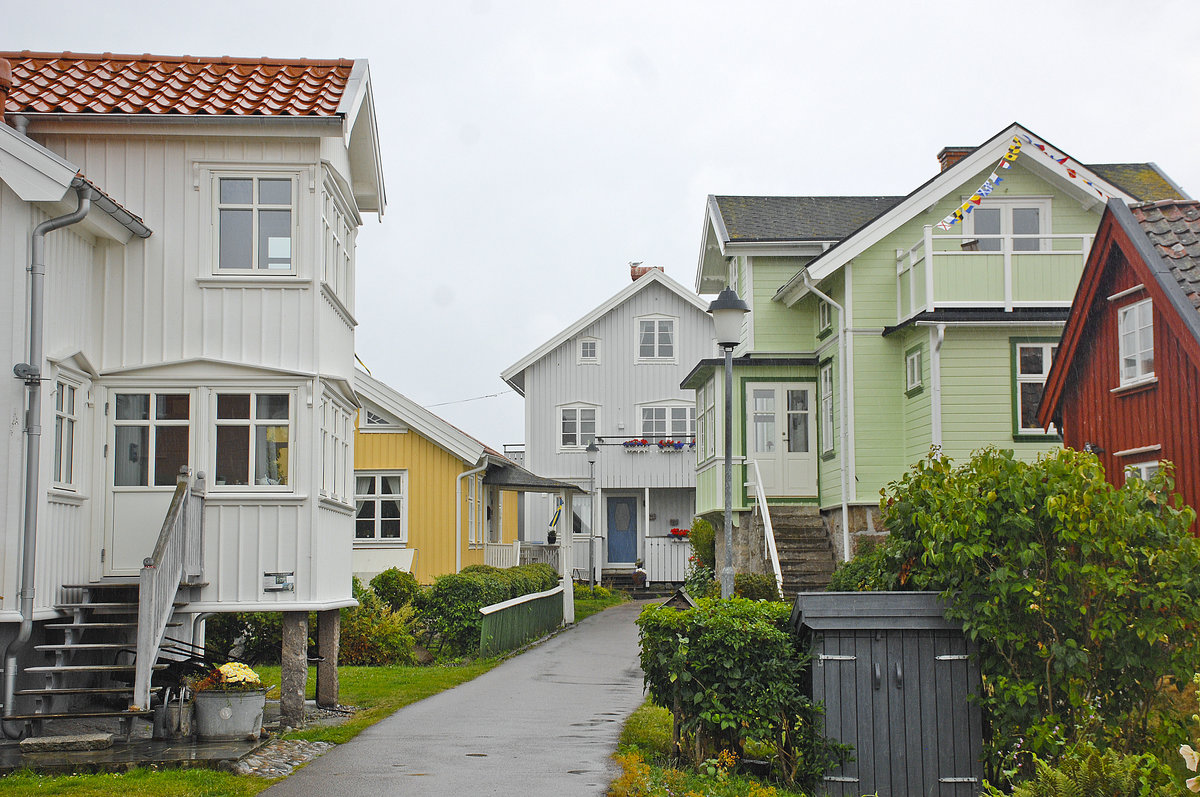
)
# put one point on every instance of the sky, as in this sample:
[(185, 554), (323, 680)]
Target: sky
[(533, 149)]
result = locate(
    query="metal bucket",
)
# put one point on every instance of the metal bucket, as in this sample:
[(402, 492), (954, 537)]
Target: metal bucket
[(230, 715)]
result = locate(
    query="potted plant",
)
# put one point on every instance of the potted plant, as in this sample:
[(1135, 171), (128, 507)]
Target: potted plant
[(229, 703), (679, 534), (635, 446)]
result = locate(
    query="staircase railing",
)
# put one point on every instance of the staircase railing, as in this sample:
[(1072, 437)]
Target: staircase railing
[(177, 559), (768, 531)]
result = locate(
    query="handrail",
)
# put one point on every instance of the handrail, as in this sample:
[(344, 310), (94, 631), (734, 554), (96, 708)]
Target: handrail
[(177, 559), (768, 530)]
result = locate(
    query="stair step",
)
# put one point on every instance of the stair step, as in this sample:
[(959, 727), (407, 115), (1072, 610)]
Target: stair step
[(89, 646), (74, 668), (86, 625), (108, 584), (98, 605), (82, 690), (78, 715)]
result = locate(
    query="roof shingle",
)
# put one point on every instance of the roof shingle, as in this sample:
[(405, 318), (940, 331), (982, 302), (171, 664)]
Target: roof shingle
[(1173, 226), (153, 84), (798, 218)]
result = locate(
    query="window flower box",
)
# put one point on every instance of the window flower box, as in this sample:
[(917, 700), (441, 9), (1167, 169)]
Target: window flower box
[(670, 446), (679, 535), (636, 446)]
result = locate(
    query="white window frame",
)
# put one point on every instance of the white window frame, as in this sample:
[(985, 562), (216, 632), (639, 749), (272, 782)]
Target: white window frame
[(253, 423), (710, 420), (580, 443), (584, 359), (671, 412), (215, 173), (914, 370), (1140, 355), (1143, 470), (339, 230), (824, 316), (66, 417), (656, 358), (1049, 350), (1006, 205), (378, 498), (827, 428)]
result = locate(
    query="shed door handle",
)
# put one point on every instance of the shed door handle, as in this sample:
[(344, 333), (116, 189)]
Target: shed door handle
[(878, 675), (899, 676)]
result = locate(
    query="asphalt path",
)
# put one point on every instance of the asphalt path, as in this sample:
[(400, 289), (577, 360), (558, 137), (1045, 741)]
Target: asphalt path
[(542, 724)]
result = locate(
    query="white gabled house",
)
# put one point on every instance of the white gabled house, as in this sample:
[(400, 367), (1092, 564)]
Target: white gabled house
[(613, 378), (198, 328)]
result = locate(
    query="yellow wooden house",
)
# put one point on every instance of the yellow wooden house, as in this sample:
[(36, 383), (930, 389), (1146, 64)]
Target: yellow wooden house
[(424, 499)]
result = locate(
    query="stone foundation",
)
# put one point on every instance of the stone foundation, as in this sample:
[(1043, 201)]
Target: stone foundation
[(865, 524)]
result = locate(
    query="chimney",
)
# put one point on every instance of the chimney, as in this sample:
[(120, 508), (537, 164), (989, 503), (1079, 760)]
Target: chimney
[(5, 85), (952, 155), (637, 270)]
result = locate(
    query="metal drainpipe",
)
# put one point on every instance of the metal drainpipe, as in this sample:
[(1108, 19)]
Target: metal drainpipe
[(458, 511), (845, 430), (31, 373)]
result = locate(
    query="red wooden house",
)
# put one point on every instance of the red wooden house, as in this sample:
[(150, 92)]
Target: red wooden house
[(1125, 382)]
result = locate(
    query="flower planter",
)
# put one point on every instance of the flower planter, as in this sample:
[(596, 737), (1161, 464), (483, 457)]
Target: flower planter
[(230, 715)]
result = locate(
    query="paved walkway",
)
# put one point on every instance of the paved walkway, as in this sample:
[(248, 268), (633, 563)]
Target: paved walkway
[(542, 724)]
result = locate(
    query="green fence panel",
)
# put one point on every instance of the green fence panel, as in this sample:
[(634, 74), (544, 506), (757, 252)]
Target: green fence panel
[(510, 624)]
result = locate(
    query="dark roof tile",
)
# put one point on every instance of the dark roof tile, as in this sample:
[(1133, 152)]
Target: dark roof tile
[(798, 218), (1173, 226)]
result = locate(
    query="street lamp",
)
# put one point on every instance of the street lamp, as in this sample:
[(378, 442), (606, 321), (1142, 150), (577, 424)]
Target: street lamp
[(593, 453), (727, 311)]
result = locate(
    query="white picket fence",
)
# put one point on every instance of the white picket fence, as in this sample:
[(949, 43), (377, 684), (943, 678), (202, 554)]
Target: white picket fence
[(666, 559), (502, 554)]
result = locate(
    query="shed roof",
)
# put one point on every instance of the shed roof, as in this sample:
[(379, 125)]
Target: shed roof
[(175, 85), (858, 611)]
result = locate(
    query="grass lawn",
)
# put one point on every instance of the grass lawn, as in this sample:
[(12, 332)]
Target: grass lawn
[(586, 607), (644, 755)]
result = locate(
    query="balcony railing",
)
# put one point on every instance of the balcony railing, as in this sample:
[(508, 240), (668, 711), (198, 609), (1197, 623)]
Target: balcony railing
[(948, 271)]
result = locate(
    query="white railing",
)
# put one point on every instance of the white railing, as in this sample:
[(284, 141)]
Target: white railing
[(506, 554), (534, 554), (917, 276), (667, 559), (177, 559), (768, 531)]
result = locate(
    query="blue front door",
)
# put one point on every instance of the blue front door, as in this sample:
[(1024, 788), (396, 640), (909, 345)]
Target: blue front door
[(622, 530)]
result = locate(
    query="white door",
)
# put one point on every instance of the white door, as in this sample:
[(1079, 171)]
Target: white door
[(149, 440), (781, 436)]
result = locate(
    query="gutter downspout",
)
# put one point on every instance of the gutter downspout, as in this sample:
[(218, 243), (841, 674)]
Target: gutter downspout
[(458, 511), (935, 375), (31, 373), (845, 425)]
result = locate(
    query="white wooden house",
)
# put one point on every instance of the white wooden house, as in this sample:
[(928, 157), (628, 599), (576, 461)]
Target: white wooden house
[(613, 377), (199, 320)]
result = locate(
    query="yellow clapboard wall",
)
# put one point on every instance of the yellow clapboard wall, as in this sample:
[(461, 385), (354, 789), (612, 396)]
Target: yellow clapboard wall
[(432, 480)]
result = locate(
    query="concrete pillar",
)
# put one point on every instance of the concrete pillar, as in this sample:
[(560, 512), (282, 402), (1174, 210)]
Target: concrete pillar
[(293, 675), (329, 630)]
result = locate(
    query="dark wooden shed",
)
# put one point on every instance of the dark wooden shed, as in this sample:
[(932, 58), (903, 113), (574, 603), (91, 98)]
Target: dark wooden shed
[(895, 676)]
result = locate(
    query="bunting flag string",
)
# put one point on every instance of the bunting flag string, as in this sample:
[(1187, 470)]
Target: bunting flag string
[(989, 185), (1061, 160)]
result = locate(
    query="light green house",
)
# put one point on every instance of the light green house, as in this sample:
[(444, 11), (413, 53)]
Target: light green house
[(875, 333)]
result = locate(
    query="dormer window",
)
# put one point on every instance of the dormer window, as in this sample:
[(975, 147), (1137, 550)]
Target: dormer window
[(589, 351), (254, 223), (656, 339)]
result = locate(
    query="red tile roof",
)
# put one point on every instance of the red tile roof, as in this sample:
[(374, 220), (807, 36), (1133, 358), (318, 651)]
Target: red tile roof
[(1173, 226), (153, 84)]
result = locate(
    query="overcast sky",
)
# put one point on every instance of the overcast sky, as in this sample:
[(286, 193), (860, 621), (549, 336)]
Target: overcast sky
[(532, 149)]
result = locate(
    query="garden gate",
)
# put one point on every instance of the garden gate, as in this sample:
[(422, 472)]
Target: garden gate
[(895, 676)]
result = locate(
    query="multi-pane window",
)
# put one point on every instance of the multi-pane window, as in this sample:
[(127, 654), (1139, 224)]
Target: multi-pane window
[(998, 218), (1033, 362), (589, 351), (668, 422), (913, 370), (656, 338), (710, 420), (65, 420), (827, 407), (381, 506), (151, 438), (1142, 470), (824, 316), (475, 511), (374, 419), (337, 427), (577, 426), (253, 432), (339, 234), (254, 223), (1135, 326)]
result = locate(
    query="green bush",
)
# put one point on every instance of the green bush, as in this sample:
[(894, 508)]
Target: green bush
[(1086, 771), (866, 571), (252, 637), (704, 542), (585, 593), (730, 672), (450, 608), (756, 587), (1081, 596), (373, 634), (601, 593), (395, 587)]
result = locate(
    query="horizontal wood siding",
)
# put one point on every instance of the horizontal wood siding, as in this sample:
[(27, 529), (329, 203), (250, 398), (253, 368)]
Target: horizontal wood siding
[(778, 328)]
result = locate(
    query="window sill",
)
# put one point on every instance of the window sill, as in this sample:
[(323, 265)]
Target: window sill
[(364, 542), (1135, 387), (655, 361), (58, 495), (337, 506), (914, 391), (337, 304), (828, 455), (824, 333), (1034, 437), (266, 280)]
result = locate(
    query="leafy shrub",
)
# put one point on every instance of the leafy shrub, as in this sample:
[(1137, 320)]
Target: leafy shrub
[(756, 586), (373, 634), (450, 608), (1085, 770), (866, 571), (701, 582), (395, 587), (252, 637), (704, 542), (1081, 596), (729, 671), (602, 593)]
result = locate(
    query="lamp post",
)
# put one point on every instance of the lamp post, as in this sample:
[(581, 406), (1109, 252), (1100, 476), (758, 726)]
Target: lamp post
[(593, 453), (727, 311)]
